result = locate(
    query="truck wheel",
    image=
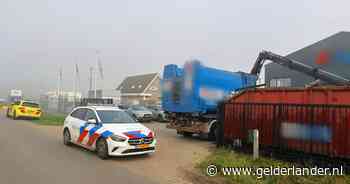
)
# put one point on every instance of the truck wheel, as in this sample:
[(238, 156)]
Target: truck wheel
[(219, 136), (187, 134), (204, 136), (102, 149), (213, 133)]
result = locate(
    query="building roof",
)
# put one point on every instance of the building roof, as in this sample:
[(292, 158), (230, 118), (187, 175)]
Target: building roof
[(331, 54), (136, 83), (335, 43)]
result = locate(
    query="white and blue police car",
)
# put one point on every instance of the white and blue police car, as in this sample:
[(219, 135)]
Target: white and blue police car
[(107, 130)]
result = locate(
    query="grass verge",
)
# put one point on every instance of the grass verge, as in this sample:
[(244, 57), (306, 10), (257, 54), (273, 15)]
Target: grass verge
[(227, 158), (50, 119)]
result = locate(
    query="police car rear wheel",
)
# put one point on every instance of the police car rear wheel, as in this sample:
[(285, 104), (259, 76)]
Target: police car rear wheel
[(66, 137), (102, 149)]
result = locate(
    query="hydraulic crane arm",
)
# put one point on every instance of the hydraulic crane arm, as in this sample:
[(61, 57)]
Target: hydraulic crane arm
[(317, 73)]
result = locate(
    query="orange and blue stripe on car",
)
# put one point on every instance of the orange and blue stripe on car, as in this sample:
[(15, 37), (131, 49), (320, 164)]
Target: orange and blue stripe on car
[(135, 134), (95, 136), (92, 134), (83, 133)]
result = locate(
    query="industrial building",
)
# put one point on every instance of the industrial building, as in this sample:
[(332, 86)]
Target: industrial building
[(331, 54)]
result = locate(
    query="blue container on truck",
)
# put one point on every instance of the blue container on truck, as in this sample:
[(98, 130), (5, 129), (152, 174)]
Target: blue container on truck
[(197, 89), (190, 96)]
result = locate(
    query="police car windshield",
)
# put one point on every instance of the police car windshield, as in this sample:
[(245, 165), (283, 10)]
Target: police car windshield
[(110, 116)]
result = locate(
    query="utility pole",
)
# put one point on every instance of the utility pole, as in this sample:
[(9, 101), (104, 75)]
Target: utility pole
[(95, 73), (60, 77), (95, 84), (91, 72), (100, 69), (90, 78), (75, 87), (76, 81)]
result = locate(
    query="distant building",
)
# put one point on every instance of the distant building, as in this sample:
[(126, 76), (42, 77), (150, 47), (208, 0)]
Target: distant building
[(15, 95), (69, 96), (112, 94), (331, 54), (59, 102), (99, 93), (105, 94), (140, 89)]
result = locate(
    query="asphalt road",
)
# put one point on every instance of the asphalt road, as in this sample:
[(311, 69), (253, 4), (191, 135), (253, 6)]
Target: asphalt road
[(29, 155)]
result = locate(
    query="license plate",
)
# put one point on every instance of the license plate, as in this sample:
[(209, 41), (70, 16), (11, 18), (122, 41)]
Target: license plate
[(142, 146)]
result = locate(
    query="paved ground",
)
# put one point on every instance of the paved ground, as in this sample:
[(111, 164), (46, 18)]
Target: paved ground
[(31, 153)]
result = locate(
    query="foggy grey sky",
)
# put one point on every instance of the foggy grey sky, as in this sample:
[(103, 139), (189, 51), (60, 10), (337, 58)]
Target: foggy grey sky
[(135, 37)]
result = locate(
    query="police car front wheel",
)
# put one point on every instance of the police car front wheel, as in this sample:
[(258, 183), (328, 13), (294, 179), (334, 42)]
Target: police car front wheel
[(102, 149), (66, 137)]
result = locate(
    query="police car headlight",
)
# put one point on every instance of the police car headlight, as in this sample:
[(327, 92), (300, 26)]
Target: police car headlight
[(118, 138)]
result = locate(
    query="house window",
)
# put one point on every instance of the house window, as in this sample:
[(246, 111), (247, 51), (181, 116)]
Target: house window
[(282, 82)]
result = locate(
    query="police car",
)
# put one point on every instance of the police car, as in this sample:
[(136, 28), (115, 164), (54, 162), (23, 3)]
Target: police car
[(107, 130)]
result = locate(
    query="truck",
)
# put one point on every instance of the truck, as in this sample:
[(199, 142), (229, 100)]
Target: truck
[(15, 95), (190, 96)]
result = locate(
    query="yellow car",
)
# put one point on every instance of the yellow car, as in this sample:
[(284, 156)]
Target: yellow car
[(24, 109)]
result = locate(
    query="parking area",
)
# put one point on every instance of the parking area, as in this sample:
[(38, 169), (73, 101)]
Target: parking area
[(174, 158)]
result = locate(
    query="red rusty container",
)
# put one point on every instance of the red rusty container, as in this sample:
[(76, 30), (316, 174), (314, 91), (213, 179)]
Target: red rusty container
[(319, 95), (311, 120)]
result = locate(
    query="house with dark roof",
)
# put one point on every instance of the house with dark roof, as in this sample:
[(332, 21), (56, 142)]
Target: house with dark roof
[(140, 89), (331, 54)]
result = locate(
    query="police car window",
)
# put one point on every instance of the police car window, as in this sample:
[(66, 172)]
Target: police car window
[(111, 116), (75, 114), (79, 114), (90, 115)]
